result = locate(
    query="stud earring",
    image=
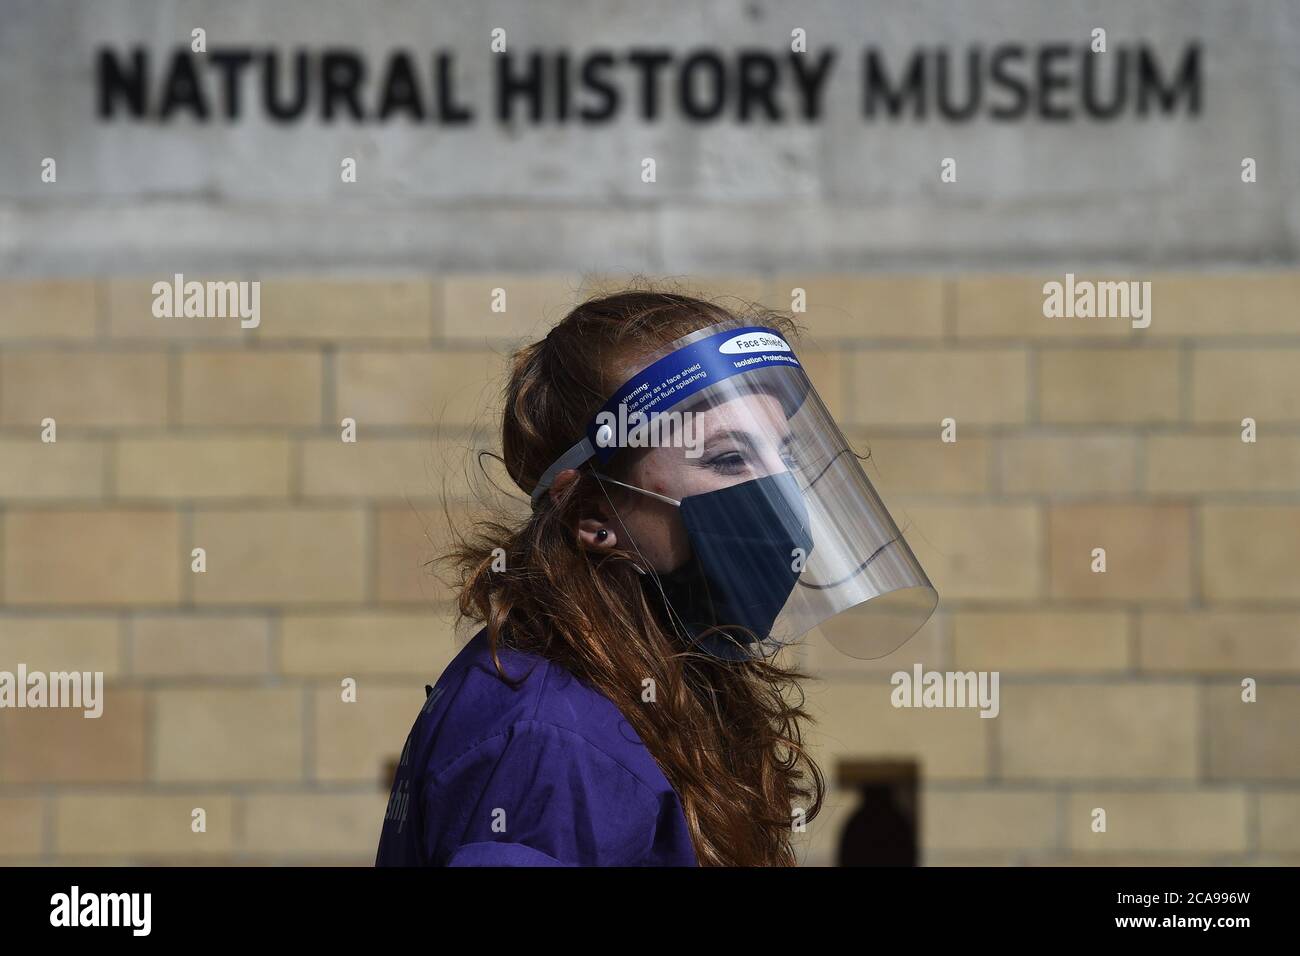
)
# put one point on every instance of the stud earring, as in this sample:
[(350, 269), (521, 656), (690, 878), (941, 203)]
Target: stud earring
[(602, 534)]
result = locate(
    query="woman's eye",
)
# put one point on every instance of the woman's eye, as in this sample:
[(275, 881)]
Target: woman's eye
[(728, 463)]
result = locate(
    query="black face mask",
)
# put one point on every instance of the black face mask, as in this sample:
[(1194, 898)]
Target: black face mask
[(746, 541)]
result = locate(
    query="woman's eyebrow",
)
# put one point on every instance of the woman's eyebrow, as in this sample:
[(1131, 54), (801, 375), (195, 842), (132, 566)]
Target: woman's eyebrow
[(734, 434), (744, 437)]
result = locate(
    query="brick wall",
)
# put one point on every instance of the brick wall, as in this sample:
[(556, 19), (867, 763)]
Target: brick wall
[(1119, 690)]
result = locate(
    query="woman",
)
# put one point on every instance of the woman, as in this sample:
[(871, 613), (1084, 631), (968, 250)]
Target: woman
[(625, 702)]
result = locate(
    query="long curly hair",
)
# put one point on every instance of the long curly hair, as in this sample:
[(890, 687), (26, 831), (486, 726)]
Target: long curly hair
[(725, 733)]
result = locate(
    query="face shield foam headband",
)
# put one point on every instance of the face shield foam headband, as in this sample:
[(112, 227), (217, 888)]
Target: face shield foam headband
[(785, 530)]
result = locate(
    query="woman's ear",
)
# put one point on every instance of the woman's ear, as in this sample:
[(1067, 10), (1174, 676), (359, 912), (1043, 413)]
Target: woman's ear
[(594, 530), (562, 481)]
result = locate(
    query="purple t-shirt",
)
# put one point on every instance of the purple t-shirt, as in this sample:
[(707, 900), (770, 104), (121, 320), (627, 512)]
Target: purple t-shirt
[(549, 774)]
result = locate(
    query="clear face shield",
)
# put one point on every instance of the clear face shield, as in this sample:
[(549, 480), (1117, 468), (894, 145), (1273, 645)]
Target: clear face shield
[(746, 505)]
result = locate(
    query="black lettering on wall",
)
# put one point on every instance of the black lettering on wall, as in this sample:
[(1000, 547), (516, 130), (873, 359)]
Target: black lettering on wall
[(117, 82), (1054, 82), (943, 86), (341, 74), (182, 90), (510, 86), (561, 86), (399, 90), (1187, 85), (595, 73), (279, 110), (999, 75), (649, 63), (878, 87), (694, 104), (449, 111), (811, 80), (1118, 61), (230, 63), (1050, 80), (756, 81)]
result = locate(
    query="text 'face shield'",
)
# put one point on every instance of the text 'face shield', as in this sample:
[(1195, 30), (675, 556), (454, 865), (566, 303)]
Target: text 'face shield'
[(754, 512)]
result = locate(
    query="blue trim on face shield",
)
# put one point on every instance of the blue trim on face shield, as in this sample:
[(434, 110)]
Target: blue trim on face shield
[(665, 383), (672, 379)]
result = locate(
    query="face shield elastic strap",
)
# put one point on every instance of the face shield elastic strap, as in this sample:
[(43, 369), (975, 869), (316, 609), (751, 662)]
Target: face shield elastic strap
[(575, 456), (623, 484), (679, 626)]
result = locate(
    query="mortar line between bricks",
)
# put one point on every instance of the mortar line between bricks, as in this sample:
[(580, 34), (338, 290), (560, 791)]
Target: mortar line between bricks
[(996, 467), (370, 547), (174, 398), (275, 644), (126, 653), (1197, 538), (238, 819), (993, 751), (1062, 820), (1044, 595), (308, 739), (948, 652), (50, 822), (1033, 397), (1253, 842), (151, 730), (328, 384), (1134, 634), (187, 558), (108, 468), (296, 454), (1203, 731)]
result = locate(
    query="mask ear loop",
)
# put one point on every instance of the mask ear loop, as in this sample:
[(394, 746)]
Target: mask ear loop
[(674, 618), (678, 624)]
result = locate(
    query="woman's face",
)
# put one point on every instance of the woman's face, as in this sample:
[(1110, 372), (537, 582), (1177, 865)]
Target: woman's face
[(744, 438)]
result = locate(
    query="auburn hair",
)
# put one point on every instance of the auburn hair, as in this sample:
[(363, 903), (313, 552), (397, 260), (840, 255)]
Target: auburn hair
[(725, 733)]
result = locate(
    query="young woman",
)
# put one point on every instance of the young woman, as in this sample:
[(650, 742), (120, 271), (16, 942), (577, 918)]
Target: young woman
[(694, 509)]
